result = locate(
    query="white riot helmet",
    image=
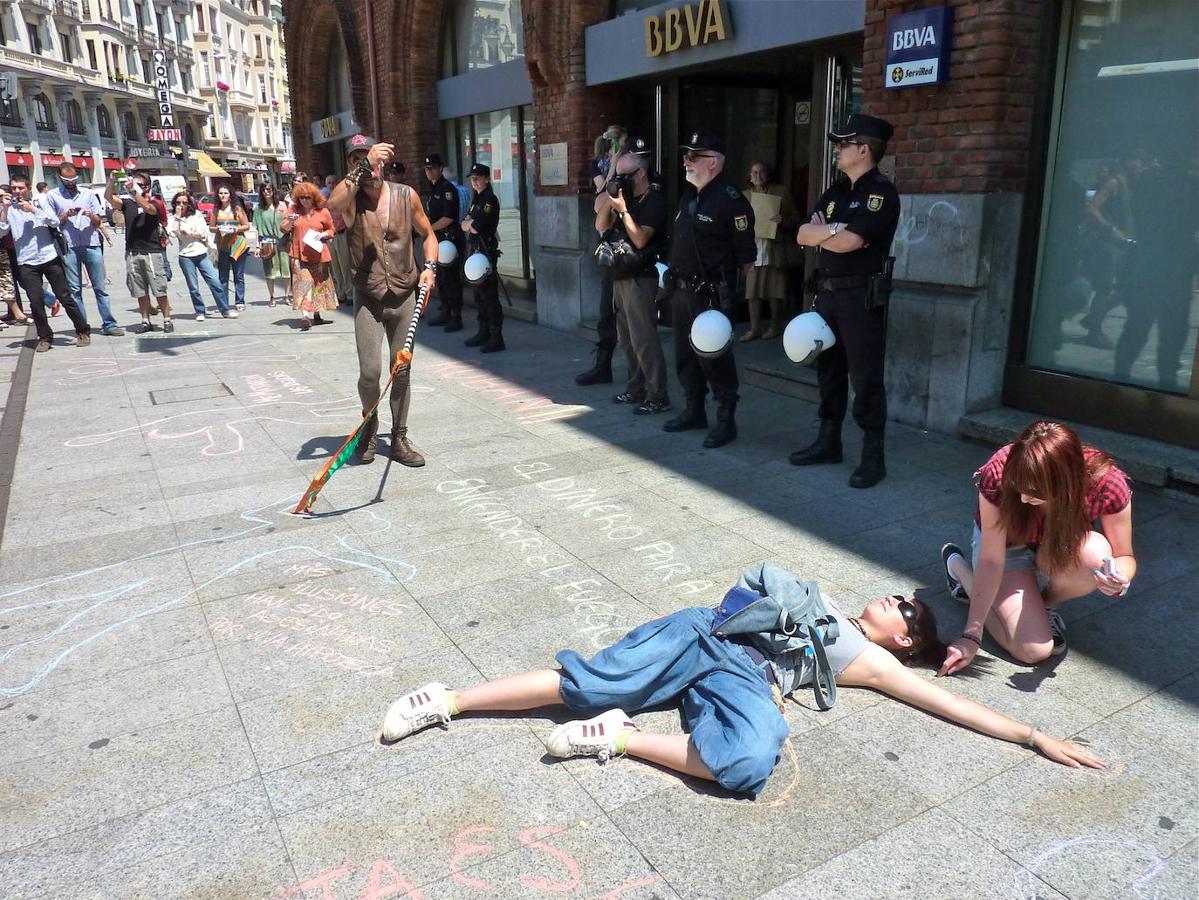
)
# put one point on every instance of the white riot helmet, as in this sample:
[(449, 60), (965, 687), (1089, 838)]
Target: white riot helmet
[(447, 252), (477, 267), (806, 336), (662, 270), (711, 334)]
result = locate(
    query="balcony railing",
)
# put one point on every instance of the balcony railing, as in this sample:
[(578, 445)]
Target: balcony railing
[(51, 67), (70, 10), (128, 29)]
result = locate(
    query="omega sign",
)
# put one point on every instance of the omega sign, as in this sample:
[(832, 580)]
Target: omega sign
[(690, 25), (162, 90)]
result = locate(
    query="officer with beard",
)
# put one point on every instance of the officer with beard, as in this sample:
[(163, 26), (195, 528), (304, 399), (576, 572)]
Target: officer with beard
[(713, 237)]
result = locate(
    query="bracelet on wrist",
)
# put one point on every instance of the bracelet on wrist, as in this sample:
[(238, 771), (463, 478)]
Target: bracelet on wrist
[(1031, 740), (430, 265), (971, 638)]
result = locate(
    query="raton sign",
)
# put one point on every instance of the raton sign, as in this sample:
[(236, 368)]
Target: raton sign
[(683, 27), (918, 45)]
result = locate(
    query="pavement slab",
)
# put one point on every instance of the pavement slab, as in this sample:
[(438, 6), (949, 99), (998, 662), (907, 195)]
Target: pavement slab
[(192, 680)]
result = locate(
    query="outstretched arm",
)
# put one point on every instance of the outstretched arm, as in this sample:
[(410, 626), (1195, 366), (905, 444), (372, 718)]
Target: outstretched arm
[(878, 669)]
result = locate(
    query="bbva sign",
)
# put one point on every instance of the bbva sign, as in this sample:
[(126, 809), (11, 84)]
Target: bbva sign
[(690, 25)]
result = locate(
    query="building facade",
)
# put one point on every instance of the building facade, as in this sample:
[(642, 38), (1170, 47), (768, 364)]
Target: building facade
[(79, 83), (1035, 267)]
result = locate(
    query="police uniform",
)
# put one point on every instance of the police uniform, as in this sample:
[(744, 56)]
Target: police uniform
[(442, 201), (713, 236), (484, 214), (868, 208)]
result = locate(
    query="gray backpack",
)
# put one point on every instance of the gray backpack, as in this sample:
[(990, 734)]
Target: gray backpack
[(780, 614)]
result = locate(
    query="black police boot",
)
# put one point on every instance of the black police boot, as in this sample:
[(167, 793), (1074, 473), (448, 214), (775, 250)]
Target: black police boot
[(725, 431), (480, 337), (693, 416), (442, 318), (825, 449), (455, 322), (601, 372), (872, 470), (495, 340)]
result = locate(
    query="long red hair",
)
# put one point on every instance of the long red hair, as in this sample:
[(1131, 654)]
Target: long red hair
[(1047, 462)]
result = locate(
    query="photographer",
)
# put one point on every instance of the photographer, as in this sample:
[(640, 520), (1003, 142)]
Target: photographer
[(144, 218), (31, 225), (633, 213)]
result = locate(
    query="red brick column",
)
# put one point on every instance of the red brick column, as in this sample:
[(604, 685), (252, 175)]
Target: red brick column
[(972, 134)]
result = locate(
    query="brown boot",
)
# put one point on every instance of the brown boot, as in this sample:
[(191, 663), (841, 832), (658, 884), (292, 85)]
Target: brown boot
[(402, 450), (369, 442)]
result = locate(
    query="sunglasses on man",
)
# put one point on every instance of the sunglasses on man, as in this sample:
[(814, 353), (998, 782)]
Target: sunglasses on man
[(692, 156)]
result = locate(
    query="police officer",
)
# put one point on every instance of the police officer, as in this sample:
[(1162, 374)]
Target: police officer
[(480, 225), (852, 226), (713, 237), (441, 208)]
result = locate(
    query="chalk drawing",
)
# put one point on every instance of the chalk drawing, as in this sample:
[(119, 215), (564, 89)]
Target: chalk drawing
[(531, 408), (164, 429), (368, 561), (93, 370), (1026, 882)]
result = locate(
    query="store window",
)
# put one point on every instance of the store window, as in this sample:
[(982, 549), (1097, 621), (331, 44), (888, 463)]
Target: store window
[(503, 140), (481, 33), (1114, 296)]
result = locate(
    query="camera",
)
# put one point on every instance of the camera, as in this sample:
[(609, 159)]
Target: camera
[(620, 183)]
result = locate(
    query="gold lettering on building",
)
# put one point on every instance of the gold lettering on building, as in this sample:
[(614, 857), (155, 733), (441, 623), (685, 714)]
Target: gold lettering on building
[(706, 22)]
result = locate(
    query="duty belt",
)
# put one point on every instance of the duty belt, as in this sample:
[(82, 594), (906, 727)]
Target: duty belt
[(701, 287), (840, 283)]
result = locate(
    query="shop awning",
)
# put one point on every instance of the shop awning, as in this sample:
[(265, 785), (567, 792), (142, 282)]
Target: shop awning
[(206, 165)]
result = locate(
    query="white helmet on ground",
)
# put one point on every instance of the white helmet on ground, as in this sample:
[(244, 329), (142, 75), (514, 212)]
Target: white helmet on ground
[(806, 336), (447, 252), (711, 334), (477, 267)]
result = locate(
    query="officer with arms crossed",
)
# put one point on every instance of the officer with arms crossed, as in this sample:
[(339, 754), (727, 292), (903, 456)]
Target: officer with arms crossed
[(481, 222), (852, 226), (441, 206), (634, 211), (713, 237)]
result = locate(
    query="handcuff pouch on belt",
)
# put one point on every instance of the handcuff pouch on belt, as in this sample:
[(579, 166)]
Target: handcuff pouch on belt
[(878, 285), (718, 293)]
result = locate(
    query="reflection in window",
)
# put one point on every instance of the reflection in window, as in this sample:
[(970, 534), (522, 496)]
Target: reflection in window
[(482, 33), (1115, 295), (104, 121), (43, 117), (497, 139)]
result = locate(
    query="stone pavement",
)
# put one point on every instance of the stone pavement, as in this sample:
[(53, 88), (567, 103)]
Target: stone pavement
[(191, 680)]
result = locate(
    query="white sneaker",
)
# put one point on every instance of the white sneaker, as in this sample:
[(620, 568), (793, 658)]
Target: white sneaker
[(423, 707), (199, 317), (590, 737), (230, 314), (241, 307)]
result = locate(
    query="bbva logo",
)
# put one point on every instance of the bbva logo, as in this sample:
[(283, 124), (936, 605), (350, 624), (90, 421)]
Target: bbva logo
[(913, 37)]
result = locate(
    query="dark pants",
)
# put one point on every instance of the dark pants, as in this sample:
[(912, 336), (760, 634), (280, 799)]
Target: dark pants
[(55, 272), (697, 372), (857, 356), (606, 327), (487, 299), (449, 286)]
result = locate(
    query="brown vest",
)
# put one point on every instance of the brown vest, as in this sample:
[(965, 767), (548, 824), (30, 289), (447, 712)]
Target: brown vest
[(381, 245)]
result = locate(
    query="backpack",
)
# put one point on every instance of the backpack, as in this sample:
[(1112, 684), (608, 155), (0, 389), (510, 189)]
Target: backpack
[(780, 614)]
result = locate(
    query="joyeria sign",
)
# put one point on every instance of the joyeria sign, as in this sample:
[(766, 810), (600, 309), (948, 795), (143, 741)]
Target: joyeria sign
[(918, 46)]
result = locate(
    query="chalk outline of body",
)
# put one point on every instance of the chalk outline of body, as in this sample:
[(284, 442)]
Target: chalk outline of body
[(108, 594)]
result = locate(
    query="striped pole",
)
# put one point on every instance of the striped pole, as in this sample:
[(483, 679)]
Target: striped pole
[(404, 354)]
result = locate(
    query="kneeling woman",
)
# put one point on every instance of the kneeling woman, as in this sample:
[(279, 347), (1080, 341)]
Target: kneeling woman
[(1054, 522), (727, 691)]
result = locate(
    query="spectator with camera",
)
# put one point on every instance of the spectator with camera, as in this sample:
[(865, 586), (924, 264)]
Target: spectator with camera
[(632, 213), (144, 219)]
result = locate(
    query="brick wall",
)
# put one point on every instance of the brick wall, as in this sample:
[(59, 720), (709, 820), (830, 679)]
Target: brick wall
[(971, 135)]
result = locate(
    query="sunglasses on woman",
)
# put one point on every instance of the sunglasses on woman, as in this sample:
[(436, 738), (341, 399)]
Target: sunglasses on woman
[(908, 610)]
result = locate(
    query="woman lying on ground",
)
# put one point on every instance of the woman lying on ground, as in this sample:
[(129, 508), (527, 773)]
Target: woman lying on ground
[(727, 690), (1053, 522)]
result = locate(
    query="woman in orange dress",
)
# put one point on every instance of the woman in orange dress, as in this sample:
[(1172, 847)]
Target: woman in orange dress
[(310, 227)]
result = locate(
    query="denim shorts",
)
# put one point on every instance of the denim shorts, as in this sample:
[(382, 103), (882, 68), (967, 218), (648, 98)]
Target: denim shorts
[(1020, 558), (727, 704)]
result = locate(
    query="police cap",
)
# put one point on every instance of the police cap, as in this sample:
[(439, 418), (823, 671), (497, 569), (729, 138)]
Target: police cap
[(862, 125), (640, 147), (704, 139), (480, 169), (433, 160)]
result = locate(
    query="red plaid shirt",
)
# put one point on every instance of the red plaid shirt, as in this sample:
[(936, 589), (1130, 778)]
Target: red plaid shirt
[(1110, 495)]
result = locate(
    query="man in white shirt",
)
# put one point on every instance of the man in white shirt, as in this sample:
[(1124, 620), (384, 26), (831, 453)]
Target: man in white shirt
[(80, 213), (31, 227)]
